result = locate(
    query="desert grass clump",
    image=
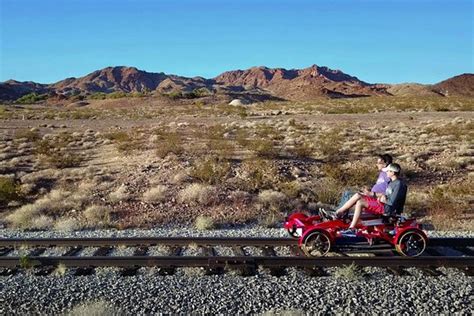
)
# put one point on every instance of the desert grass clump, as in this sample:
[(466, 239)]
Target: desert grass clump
[(95, 308), (120, 194), (203, 222), (67, 224), (60, 270), (211, 170), (350, 272), (155, 194), (42, 222), (198, 194), (97, 216), (22, 217)]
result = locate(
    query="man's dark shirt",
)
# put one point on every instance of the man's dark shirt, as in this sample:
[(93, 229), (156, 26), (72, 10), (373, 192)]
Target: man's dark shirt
[(396, 195)]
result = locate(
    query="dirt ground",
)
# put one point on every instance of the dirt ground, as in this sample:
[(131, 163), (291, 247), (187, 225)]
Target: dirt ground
[(144, 166)]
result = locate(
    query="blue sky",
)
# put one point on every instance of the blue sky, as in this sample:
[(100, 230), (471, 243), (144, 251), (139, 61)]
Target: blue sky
[(376, 40)]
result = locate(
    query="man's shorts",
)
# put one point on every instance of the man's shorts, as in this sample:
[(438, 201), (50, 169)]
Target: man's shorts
[(373, 205)]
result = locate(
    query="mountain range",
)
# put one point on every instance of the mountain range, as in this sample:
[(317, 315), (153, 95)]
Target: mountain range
[(255, 84)]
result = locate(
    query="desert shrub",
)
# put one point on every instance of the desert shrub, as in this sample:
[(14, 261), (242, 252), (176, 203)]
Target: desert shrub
[(97, 216), (263, 148), (359, 174), (327, 190), (329, 144), (334, 171), (201, 92), (64, 160), (117, 95), (242, 137), (9, 190), (31, 98), (270, 219), (96, 308), (31, 135), (211, 170), (118, 136), (174, 95), (291, 189), (168, 142), (123, 141), (272, 200), (221, 147), (98, 96), (198, 194), (259, 174), (446, 204), (120, 194), (53, 153), (301, 150), (155, 194), (204, 223)]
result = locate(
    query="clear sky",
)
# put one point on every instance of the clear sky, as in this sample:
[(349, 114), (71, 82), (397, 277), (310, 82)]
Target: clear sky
[(376, 40)]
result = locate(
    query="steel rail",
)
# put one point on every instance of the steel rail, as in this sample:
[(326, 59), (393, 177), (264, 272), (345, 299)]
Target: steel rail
[(150, 241), (200, 241), (229, 261)]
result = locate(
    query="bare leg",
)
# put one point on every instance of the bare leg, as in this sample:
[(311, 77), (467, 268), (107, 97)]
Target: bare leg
[(352, 201), (357, 211)]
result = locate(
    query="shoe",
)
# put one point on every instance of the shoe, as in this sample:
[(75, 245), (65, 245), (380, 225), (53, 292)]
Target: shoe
[(350, 232), (327, 213)]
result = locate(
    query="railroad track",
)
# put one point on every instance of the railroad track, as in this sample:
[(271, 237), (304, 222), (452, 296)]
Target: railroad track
[(218, 254)]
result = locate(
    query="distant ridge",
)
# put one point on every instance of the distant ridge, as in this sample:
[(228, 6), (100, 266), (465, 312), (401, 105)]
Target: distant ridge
[(268, 83)]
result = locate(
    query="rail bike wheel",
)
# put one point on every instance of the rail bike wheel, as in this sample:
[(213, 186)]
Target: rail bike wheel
[(317, 244), (411, 244)]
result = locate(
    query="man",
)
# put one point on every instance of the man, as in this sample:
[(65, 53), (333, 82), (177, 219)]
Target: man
[(391, 203)]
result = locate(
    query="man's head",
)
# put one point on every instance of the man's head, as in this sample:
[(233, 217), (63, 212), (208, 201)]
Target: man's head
[(383, 161), (393, 168)]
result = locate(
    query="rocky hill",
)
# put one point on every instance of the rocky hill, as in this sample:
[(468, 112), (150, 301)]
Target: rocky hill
[(459, 85), (256, 83)]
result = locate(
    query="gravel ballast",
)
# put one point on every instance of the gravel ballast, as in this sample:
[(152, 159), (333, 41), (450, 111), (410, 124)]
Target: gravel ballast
[(375, 291)]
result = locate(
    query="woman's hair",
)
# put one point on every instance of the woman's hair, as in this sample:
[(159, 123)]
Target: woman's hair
[(386, 158)]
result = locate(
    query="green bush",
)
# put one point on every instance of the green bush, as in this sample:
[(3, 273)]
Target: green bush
[(98, 96), (117, 95), (8, 190), (32, 98), (211, 170)]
